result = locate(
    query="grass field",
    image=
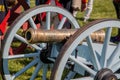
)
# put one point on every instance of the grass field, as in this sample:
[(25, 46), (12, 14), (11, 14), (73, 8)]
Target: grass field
[(101, 9)]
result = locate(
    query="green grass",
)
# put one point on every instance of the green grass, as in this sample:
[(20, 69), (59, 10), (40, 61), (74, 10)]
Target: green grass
[(101, 9), (0, 77)]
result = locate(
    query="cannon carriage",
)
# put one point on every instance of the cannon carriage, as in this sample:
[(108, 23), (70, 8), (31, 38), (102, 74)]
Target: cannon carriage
[(70, 53)]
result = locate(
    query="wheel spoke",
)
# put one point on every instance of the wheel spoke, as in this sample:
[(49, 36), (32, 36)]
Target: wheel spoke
[(48, 20), (32, 23), (45, 69), (94, 58), (114, 57), (70, 75), (25, 41), (23, 55), (116, 66), (21, 38), (25, 68), (62, 23), (84, 78), (92, 72), (36, 71), (105, 48), (118, 76)]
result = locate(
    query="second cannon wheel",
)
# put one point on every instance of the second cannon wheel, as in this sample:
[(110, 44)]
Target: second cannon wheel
[(92, 60)]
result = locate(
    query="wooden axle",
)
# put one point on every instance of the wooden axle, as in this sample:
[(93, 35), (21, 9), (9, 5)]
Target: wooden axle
[(47, 36)]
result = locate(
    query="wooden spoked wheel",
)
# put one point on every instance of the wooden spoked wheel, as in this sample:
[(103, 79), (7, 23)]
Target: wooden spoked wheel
[(37, 57), (101, 61)]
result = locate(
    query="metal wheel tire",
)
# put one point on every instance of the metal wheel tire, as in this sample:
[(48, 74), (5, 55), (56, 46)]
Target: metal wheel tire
[(30, 59), (98, 55)]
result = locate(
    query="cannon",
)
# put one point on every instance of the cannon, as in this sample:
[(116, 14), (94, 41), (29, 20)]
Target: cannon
[(72, 56), (44, 19), (15, 35)]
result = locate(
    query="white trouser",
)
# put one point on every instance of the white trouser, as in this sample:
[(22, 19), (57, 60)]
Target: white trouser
[(88, 10)]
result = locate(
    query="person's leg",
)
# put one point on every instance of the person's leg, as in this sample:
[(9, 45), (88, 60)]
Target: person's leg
[(28, 2), (117, 9), (37, 2), (88, 10), (67, 4)]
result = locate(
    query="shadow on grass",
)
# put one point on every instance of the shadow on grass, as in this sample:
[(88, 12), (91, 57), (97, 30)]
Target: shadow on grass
[(82, 19)]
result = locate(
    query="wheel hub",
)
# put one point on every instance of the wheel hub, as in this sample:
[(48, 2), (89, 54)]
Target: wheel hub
[(44, 57), (105, 74)]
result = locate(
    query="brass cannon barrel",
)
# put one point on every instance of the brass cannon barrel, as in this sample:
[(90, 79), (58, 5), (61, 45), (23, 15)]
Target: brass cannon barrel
[(47, 36)]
